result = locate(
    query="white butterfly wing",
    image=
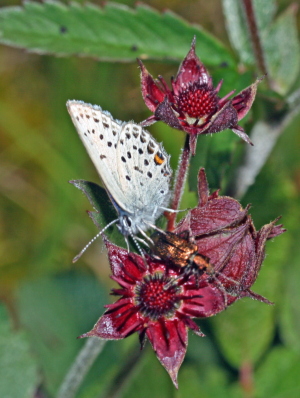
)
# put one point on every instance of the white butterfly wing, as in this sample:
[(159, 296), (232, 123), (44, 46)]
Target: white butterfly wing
[(144, 170), (100, 133)]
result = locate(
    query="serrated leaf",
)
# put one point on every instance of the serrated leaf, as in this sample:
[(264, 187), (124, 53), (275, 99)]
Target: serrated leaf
[(112, 33), (18, 368)]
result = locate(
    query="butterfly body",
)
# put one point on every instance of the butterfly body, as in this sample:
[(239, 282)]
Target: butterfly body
[(132, 165)]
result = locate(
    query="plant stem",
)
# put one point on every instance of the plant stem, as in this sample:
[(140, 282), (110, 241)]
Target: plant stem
[(129, 368), (83, 362), (180, 179), (246, 379), (255, 39)]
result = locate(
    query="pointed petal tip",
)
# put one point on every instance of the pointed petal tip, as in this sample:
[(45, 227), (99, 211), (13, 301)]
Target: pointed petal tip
[(173, 376), (141, 65), (238, 130), (193, 45), (82, 336)]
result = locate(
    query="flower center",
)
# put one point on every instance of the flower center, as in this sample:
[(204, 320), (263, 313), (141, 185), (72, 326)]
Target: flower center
[(197, 101), (157, 296)]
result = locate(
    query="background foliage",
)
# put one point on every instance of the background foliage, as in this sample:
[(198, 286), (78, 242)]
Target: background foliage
[(251, 350)]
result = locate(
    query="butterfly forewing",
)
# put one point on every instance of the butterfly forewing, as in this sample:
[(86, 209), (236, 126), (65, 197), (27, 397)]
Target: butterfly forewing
[(99, 134)]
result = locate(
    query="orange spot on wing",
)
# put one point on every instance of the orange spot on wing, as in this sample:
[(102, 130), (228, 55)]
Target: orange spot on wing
[(158, 159)]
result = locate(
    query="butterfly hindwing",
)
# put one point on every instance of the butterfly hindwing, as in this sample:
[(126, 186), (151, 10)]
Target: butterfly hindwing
[(140, 163)]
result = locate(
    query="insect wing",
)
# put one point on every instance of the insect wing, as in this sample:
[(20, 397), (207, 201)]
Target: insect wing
[(99, 133), (144, 169)]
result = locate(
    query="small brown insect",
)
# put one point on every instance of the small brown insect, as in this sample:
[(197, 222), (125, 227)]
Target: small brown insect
[(179, 251)]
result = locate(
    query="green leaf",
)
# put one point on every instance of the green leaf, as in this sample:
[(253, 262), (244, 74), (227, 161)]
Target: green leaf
[(55, 311), (97, 197), (279, 40), (150, 380), (105, 212), (278, 375), (18, 368), (282, 51), (205, 382), (112, 33), (290, 306), (236, 24)]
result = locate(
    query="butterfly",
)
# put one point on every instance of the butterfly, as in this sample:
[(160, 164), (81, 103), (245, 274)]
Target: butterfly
[(134, 168)]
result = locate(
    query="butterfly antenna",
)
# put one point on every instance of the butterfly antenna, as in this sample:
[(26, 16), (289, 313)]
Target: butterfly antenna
[(93, 240)]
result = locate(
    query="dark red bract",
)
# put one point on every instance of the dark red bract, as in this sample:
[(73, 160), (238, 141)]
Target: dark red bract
[(158, 299), (224, 232), (193, 104)]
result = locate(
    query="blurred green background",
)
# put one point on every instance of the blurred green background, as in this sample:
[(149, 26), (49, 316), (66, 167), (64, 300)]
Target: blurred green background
[(251, 350)]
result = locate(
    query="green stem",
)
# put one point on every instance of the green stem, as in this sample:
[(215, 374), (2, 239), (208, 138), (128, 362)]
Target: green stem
[(78, 370)]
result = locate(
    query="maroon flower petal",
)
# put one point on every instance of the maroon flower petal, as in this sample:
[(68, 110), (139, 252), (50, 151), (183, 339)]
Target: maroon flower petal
[(243, 101), (116, 324), (169, 340), (238, 130), (165, 112), (276, 230), (191, 325), (240, 271), (225, 118), (147, 122), (212, 301), (262, 236), (124, 266), (219, 247), (218, 214), (255, 296), (191, 70), (152, 94)]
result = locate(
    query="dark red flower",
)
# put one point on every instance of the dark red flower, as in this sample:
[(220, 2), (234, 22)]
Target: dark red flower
[(158, 303), (224, 232), (209, 261), (193, 104)]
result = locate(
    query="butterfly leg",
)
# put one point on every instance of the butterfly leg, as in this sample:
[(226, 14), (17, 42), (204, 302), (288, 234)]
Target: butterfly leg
[(145, 236)]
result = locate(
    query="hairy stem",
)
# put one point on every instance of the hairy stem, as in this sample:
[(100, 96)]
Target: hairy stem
[(255, 39), (78, 370), (246, 380), (180, 179), (130, 367)]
